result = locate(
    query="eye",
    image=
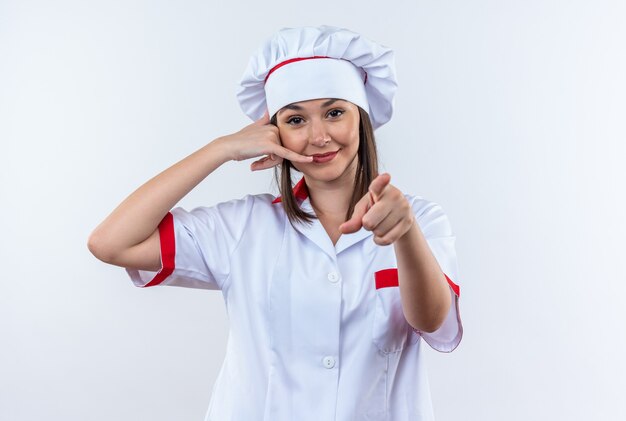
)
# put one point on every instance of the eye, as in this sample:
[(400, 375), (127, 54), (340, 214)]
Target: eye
[(294, 120), (333, 113)]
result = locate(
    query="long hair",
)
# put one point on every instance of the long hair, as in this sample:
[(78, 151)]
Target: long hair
[(366, 171)]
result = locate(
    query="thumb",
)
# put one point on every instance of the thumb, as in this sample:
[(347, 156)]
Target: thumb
[(354, 223), (378, 185)]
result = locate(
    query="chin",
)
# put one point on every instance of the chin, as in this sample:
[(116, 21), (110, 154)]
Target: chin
[(326, 175)]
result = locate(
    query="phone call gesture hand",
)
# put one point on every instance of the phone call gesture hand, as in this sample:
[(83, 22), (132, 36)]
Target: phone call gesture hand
[(257, 139)]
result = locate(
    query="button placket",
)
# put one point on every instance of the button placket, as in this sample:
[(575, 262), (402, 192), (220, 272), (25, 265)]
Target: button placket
[(328, 361), (333, 277)]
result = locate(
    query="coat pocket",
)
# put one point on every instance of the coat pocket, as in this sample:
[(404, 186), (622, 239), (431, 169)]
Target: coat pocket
[(390, 330)]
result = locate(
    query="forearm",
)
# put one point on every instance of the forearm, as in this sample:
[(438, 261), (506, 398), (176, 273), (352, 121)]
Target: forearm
[(423, 288), (138, 216)]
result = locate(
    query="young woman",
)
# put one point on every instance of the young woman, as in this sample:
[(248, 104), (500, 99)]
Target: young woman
[(329, 287)]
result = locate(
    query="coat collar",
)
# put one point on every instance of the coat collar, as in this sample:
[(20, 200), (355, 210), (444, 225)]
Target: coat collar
[(300, 190), (315, 231)]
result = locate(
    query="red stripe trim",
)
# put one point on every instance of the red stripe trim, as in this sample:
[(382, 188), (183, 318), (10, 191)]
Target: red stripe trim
[(168, 250), (389, 278), (300, 190), (454, 286), (386, 278), (292, 60)]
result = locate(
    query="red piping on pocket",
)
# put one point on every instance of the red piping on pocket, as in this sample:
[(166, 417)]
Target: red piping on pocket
[(386, 278)]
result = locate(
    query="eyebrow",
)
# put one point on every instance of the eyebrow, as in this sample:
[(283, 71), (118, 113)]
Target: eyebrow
[(299, 108)]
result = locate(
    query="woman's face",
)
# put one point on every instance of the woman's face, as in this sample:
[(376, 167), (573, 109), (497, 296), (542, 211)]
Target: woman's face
[(328, 130)]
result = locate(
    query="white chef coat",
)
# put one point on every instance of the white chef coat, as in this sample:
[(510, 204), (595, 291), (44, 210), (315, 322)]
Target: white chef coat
[(317, 330)]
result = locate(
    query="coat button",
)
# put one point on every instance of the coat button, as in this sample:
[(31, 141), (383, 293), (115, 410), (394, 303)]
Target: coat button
[(333, 277), (329, 362)]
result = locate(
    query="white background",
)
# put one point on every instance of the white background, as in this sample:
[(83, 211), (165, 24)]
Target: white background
[(510, 114)]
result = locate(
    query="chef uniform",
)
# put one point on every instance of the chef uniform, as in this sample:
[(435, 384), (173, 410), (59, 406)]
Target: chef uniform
[(317, 330)]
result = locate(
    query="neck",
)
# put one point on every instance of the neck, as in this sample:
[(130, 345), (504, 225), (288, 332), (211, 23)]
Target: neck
[(331, 199), (331, 202)]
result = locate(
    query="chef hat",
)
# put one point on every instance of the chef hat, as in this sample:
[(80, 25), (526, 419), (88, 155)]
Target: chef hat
[(298, 64)]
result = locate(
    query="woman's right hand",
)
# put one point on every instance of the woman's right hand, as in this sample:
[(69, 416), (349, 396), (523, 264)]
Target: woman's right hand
[(257, 139), (129, 236)]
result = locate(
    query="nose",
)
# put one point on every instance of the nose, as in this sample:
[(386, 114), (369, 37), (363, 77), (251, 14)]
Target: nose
[(318, 135)]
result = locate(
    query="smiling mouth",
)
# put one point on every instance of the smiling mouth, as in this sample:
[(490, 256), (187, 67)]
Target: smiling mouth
[(324, 157)]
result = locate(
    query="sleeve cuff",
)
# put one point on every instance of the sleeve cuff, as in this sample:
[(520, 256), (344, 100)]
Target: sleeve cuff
[(145, 278), (449, 334), (455, 288)]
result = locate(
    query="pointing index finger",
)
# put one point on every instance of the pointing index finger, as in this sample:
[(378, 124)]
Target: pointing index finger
[(354, 223), (378, 185)]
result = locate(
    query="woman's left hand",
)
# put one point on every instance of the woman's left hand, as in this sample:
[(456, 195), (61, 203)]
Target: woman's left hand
[(383, 210)]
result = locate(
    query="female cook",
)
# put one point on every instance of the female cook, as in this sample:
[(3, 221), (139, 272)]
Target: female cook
[(329, 287)]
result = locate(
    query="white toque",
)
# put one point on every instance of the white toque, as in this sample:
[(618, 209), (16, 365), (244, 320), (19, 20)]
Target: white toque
[(299, 64)]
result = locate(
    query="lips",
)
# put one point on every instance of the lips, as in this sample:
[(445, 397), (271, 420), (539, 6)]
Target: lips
[(324, 157)]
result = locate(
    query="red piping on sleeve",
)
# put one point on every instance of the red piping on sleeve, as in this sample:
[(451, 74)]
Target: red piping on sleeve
[(389, 278), (454, 286), (168, 250)]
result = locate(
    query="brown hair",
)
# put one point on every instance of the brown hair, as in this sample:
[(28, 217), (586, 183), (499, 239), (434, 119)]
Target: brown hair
[(366, 171)]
